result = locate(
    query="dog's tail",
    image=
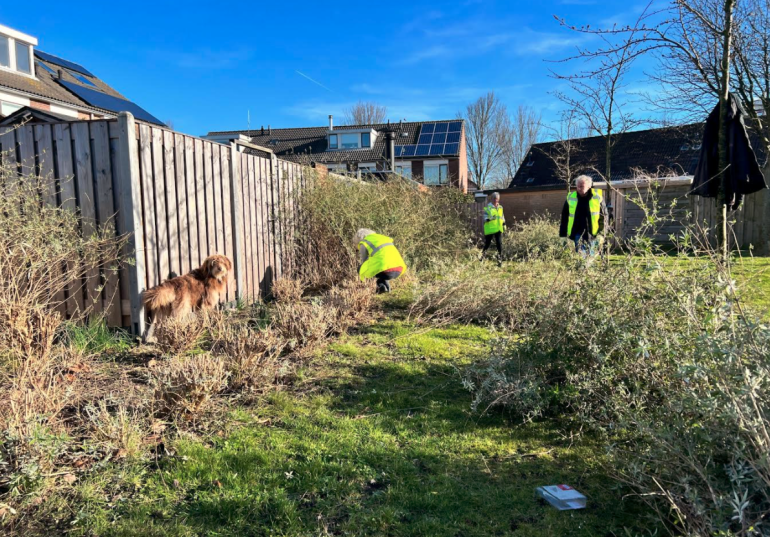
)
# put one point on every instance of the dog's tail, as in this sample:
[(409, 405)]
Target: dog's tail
[(159, 296)]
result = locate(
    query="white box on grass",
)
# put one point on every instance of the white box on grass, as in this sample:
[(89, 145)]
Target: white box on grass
[(562, 497)]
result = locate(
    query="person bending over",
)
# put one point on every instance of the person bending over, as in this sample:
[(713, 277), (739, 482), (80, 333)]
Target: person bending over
[(379, 259)]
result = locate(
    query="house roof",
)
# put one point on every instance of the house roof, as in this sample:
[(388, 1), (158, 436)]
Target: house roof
[(668, 150), (298, 143), (47, 87)]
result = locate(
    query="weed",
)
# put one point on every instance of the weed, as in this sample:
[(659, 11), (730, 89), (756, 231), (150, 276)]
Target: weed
[(185, 385)]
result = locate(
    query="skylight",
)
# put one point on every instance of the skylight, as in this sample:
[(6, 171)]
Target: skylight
[(80, 78)]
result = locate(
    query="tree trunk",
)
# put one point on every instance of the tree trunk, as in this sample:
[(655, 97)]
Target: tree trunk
[(724, 102)]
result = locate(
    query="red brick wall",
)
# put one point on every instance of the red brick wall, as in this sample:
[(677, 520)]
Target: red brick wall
[(39, 105)]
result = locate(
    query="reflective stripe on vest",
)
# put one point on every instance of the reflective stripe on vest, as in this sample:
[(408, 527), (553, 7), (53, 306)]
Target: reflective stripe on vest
[(494, 219), (383, 256), (594, 206)]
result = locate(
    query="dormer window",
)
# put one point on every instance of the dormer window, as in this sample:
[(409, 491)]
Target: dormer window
[(351, 139), (16, 51)]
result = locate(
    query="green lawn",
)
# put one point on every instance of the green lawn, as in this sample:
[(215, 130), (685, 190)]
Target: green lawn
[(377, 439), (753, 277)]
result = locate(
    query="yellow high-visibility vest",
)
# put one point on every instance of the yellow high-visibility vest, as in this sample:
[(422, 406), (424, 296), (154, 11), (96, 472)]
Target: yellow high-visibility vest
[(382, 256), (494, 219), (594, 206)]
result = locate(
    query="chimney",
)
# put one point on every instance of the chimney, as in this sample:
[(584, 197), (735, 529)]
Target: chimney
[(59, 74), (262, 131), (331, 122), (269, 130), (390, 137)]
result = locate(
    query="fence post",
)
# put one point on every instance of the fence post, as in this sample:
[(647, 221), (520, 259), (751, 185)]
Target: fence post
[(275, 185), (130, 213), (237, 218)]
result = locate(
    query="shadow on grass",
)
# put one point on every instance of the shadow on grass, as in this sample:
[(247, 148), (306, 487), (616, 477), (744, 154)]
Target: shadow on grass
[(387, 446)]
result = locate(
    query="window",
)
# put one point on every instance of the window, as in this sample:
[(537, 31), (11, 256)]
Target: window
[(81, 78), (337, 168), (350, 141), (332, 141), (404, 169), (7, 108), (5, 52), (366, 139), (23, 63), (367, 167), (435, 174)]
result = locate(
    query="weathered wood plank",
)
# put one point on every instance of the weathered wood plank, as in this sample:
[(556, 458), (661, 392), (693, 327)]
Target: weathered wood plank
[(236, 202), (161, 213), (182, 197), (45, 157), (65, 177), (192, 200), (172, 203), (106, 215), (216, 174), (268, 252), (81, 138), (149, 226), (259, 229), (211, 246), (227, 213), (248, 195), (200, 201), (26, 139), (130, 213)]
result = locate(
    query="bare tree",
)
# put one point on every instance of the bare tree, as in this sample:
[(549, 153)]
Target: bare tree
[(596, 90), (693, 40), (524, 129), (486, 122), (567, 134), (365, 113)]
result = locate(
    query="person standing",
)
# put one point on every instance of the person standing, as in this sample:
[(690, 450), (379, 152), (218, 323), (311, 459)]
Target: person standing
[(494, 225), (583, 217), (379, 258)]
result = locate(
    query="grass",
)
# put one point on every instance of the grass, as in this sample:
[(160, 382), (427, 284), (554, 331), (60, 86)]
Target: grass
[(376, 439)]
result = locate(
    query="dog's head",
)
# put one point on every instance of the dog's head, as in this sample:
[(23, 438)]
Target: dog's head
[(217, 267)]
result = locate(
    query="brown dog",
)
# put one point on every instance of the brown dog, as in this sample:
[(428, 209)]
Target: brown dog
[(180, 296)]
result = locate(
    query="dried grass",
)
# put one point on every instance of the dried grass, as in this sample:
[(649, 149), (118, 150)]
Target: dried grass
[(178, 336), (288, 290)]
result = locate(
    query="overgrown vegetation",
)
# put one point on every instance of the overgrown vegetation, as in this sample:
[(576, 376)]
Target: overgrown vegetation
[(425, 225)]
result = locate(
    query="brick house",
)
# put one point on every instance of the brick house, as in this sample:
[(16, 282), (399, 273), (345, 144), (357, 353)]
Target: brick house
[(430, 152), (40, 87)]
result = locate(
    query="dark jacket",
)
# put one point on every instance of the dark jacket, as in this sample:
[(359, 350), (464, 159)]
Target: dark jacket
[(743, 175), (582, 224)]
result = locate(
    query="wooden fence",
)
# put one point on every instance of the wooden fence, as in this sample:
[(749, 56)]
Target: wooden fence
[(178, 199)]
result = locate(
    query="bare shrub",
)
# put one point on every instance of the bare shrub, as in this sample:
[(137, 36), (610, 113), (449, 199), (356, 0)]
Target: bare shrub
[(535, 239), (180, 335), (288, 289), (44, 256), (352, 302), (425, 225), (252, 357), (185, 385)]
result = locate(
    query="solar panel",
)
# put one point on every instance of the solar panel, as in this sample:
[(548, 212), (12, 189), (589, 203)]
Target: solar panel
[(50, 58), (451, 149), (437, 149), (108, 102), (453, 137), (439, 139), (422, 149), (398, 149), (409, 150), (44, 66), (427, 128), (424, 139), (456, 126), (441, 127)]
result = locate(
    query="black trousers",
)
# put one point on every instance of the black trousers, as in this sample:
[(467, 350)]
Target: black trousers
[(383, 283), (498, 242)]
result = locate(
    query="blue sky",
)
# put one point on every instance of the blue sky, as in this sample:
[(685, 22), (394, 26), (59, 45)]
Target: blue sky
[(209, 66)]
